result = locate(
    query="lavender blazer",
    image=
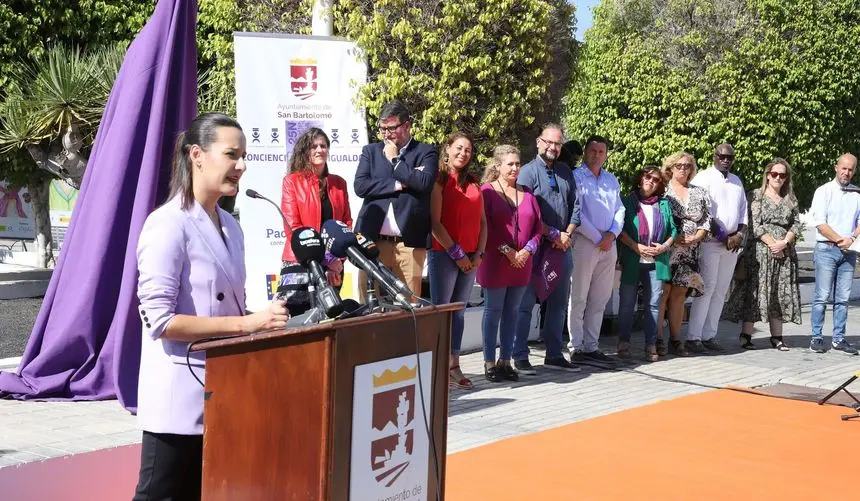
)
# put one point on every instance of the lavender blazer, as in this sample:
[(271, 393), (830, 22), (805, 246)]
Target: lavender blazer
[(185, 268)]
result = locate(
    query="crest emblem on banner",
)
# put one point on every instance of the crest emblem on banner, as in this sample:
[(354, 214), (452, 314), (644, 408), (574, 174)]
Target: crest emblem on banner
[(393, 423), (303, 77)]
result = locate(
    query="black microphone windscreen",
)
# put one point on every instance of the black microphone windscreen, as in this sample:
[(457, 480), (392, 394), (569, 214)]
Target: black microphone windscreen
[(350, 305), (307, 245), (338, 237), (251, 193), (368, 247)]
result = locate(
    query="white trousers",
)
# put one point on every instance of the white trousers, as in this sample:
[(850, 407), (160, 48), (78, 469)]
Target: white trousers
[(717, 266), (590, 290)]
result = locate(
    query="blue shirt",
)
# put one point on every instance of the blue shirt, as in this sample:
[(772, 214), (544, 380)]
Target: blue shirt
[(602, 209), (559, 206), (836, 208)]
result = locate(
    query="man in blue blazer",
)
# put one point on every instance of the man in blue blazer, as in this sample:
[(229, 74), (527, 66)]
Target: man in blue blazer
[(395, 178)]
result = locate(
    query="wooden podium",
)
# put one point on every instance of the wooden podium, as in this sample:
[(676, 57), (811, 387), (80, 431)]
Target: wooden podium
[(279, 410)]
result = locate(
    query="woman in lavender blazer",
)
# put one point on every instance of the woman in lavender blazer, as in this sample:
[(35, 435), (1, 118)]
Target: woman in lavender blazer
[(191, 264)]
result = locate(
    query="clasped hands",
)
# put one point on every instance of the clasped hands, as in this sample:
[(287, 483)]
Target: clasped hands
[(652, 250)]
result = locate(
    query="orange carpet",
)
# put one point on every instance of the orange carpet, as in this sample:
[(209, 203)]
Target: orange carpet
[(717, 445)]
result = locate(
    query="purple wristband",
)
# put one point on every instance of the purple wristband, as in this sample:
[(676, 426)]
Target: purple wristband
[(554, 234), (329, 258), (456, 252), (531, 247)]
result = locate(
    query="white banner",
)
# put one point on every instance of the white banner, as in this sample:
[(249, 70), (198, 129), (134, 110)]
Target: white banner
[(390, 446), (286, 84), (16, 213)]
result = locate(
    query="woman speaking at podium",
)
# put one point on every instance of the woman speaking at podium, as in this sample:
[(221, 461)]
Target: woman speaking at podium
[(310, 195), (191, 264)]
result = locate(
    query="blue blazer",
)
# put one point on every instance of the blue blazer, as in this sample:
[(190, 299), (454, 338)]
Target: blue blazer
[(416, 170)]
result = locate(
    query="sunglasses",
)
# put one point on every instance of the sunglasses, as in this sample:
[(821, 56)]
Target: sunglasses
[(780, 175), (653, 179), (684, 166), (726, 157)]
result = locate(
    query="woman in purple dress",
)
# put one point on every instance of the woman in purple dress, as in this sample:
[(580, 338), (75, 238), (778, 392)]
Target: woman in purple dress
[(513, 234)]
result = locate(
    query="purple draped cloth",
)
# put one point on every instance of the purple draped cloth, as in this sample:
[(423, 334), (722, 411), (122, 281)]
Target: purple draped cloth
[(85, 344)]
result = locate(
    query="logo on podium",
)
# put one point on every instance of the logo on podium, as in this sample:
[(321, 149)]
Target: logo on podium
[(390, 446), (303, 77)]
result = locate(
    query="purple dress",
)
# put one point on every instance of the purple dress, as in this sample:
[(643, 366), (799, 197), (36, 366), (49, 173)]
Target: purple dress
[(506, 225)]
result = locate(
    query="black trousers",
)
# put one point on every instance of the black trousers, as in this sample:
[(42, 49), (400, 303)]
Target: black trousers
[(171, 467)]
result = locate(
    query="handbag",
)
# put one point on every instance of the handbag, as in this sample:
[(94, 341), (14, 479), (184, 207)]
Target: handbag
[(546, 271)]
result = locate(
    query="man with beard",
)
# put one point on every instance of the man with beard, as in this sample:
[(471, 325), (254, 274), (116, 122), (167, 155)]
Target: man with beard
[(594, 251), (718, 255), (551, 183), (836, 213)]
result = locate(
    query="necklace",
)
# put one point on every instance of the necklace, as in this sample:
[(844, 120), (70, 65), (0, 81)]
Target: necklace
[(515, 208)]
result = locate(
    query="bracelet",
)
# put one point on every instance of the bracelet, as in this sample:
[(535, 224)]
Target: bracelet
[(505, 248), (456, 252)]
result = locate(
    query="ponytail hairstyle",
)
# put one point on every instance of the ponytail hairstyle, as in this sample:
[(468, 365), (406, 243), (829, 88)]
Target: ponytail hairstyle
[(491, 172), (202, 131), (466, 176)]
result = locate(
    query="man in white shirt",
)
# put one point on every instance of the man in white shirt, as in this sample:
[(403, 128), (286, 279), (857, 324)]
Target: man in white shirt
[(719, 254), (836, 215)]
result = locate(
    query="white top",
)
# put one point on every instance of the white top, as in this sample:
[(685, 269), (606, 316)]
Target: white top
[(389, 224), (836, 208), (649, 218), (728, 200)]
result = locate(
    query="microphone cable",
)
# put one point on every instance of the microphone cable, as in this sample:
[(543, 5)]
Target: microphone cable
[(199, 341)]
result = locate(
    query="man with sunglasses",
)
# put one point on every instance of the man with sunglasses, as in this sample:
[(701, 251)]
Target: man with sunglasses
[(836, 215), (594, 252), (551, 183), (395, 178), (718, 255)]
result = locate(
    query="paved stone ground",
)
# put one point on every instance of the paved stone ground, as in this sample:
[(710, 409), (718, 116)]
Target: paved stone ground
[(32, 431)]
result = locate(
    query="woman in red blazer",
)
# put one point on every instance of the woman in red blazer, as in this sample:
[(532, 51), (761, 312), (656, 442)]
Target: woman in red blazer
[(310, 195)]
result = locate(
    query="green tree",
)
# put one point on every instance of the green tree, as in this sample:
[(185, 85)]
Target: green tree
[(485, 68), (772, 77)]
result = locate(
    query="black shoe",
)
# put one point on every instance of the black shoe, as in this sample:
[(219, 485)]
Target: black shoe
[(597, 356), (694, 347), (493, 374), (524, 367), (844, 347), (561, 363), (508, 373), (712, 345), (817, 345)]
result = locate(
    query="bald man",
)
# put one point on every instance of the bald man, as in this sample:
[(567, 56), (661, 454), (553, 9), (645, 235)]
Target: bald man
[(836, 215)]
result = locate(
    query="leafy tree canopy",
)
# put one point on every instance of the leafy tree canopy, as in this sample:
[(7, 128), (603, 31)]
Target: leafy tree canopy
[(772, 77)]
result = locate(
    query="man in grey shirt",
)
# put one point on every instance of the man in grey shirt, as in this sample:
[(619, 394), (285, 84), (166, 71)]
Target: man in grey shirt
[(551, 183)]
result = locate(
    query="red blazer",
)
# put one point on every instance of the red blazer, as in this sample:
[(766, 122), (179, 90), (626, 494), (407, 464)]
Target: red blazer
[(300, 202)]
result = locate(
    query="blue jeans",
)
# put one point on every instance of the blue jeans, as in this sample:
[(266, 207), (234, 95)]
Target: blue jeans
[(834, 272), (651, 294), (450, 285), (556, 307), (500, 304)]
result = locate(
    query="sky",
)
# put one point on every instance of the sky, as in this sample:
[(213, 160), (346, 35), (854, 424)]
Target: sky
[(583, 16)]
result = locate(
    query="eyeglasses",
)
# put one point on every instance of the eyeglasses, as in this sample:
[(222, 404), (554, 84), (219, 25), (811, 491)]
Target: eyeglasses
[(653, 179), (730, 158), (390, 129), (684, 166), (780, 175), (550, 143)]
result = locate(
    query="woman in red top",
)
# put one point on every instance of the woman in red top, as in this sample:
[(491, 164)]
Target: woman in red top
[(311, 196), (459, 236)]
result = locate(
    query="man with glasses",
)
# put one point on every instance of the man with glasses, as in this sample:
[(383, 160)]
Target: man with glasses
[(836, 214), (718, 255), (551, 183), (395, 178), (594, 252)]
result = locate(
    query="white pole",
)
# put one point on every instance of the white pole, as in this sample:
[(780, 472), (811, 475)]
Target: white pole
[(322, 24)]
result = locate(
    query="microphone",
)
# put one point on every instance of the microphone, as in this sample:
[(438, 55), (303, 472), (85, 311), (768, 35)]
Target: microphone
[(368, 247), (341, 241), (253, 194), (307, 246)]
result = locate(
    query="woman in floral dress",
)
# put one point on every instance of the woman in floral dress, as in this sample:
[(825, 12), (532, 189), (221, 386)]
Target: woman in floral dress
[(691, 209), (770, 291)]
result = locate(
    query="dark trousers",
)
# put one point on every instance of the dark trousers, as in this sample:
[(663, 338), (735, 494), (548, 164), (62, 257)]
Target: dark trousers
[(171, 467)]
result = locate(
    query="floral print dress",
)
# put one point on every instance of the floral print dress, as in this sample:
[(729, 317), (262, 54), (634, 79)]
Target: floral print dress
[(770, 288), (690, 217)]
